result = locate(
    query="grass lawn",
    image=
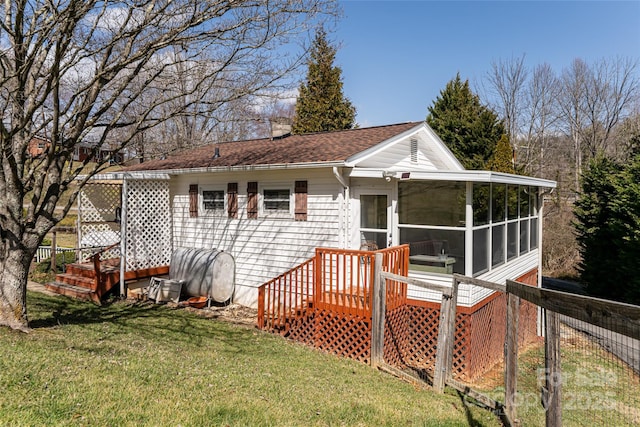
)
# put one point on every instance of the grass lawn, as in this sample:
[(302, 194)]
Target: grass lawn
[(142, 364), (597, 389)]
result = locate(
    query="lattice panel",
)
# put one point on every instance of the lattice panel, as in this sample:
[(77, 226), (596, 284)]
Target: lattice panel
[(148, 224), (97, 202), (99, 234), (395, 336), (527, 324), (488, 331), (411, 334), (422, 336), (462, 346), (344, 335), (422, 340), (303, 329)]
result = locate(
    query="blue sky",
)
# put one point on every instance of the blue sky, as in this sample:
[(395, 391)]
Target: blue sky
[(396, 56)]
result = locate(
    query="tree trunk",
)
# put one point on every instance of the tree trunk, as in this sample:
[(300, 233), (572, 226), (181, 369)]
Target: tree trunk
[(13, 289)]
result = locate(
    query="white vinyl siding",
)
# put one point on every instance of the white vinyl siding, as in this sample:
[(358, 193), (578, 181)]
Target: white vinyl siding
[(469, 295), (265, 247), (399, 156)]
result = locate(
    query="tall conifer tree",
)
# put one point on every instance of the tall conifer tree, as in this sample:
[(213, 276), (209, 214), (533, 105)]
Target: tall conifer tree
[(470, 129), (502, 159), (321, 105), (607, 225)]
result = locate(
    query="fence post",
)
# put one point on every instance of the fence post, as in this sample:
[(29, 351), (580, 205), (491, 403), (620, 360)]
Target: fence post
[(261, 307), (552, 393), (54, 251), (511, 356), (446, 338), (378, 313)]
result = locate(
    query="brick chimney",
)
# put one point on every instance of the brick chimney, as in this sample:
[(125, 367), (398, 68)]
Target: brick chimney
[(280, 127)]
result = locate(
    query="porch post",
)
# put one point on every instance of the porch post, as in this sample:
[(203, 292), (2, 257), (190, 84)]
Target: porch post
[(123, 236), (468, 231)]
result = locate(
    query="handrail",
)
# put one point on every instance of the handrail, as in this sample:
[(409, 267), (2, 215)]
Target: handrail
[(96, 266), (284, 298), (101, 251)]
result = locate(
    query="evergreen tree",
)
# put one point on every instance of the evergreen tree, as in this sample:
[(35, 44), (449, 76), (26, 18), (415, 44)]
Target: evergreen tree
[(321, 105), (502, 159), (608, 229), (469, 129)]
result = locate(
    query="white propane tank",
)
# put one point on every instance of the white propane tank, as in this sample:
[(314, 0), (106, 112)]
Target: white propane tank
[(206, 272)]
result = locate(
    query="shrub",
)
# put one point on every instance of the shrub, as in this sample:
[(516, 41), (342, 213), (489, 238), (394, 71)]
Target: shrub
[(608, 229)]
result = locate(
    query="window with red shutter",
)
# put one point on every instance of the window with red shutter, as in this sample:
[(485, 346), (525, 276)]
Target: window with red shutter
[(252, 200), (301, 200), (193, 200), (232, 199)]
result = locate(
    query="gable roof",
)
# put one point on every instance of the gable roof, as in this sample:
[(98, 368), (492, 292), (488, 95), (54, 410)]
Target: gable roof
[(321, 147)]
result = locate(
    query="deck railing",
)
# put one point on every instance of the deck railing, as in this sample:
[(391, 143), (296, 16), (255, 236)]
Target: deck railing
[(285, 298), (336, 280)]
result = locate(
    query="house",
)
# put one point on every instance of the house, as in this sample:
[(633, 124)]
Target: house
[(270, 202), (294, 210), (87, 149), (37, 146)]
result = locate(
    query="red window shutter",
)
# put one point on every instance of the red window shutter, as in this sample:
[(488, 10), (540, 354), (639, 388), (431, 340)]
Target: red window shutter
[(301, 200), (252, 200), (193, 200), (232, 199)]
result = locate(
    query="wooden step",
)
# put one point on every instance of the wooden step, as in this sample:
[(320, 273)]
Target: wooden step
[(73, 291), (75, 280), (84, 270)]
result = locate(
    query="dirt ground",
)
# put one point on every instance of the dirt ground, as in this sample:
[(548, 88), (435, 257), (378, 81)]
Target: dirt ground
[(232, 313)]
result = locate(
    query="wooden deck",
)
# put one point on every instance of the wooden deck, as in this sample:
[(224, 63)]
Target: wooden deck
[(90, 282), (334, 280)]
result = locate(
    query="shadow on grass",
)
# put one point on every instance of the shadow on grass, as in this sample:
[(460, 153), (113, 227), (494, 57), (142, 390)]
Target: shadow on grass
[(467, 402), (145, 320)]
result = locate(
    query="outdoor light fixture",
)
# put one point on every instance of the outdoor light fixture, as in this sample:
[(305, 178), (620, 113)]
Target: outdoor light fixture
[(387, 175)]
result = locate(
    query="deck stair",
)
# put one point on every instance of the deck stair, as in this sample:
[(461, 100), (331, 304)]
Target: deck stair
[(79, 280)]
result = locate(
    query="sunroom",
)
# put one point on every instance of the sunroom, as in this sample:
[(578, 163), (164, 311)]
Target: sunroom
[(476, 223)]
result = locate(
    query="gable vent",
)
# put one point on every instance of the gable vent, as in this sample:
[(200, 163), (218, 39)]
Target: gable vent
[(414, 151)]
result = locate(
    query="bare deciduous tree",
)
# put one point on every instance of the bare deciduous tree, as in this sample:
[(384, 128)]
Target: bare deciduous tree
[(594, 100), (609, 94), (572, 105), (507, 79), (75, 70), (539, 117)]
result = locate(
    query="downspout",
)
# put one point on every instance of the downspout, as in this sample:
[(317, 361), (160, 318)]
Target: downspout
[(123, 235), (345, 212)]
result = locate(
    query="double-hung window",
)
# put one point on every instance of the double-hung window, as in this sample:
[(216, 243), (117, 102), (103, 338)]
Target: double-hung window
[(276, 201), (213, 202)]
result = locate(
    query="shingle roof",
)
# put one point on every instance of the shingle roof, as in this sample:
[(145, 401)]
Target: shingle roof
[(308, 148)]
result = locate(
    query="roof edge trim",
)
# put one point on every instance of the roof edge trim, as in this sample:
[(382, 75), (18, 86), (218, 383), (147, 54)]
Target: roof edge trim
[(465, 175)]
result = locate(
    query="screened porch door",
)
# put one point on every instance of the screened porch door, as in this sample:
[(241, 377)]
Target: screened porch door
[(375, 220)]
